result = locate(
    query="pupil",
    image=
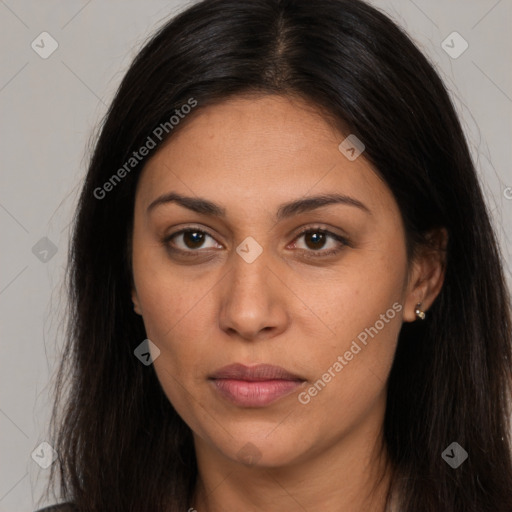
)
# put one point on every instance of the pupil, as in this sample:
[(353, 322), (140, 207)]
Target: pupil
[(194, 243), (319, 239)]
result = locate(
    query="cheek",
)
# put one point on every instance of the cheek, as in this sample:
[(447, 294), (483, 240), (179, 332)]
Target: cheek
[(171, 322), (363, 307), (171, 318), (350, 373), (167, 298), (169, 307), (356, 296)]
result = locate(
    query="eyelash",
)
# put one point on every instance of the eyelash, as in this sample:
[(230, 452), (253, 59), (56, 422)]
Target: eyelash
[(308, 253)]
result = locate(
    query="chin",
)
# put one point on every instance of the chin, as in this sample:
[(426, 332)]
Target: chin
[(261, 451)]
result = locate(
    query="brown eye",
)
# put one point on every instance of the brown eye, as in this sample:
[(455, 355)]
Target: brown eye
[(315, 239), (189, 241), (193, 239)]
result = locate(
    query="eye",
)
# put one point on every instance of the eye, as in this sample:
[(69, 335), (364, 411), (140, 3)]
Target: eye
[(316, 238), (189, 240)]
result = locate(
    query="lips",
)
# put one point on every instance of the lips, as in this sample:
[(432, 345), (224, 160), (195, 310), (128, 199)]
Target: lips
[(254, 373), (254, 386)]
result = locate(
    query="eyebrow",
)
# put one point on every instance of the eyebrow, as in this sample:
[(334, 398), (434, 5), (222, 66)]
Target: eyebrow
[(285, 210)]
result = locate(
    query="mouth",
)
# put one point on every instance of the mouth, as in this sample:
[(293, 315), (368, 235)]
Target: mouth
[(254, 386)]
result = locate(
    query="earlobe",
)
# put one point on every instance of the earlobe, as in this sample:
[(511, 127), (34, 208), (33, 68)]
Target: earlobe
[(427, 276), (136, 304)]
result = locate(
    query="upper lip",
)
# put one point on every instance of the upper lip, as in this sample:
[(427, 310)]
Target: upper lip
[(260, 372)]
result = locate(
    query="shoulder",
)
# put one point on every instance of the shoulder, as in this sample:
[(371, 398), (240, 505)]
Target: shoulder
[(61, 507)]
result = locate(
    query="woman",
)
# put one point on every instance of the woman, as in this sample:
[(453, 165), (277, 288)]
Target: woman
[(286, 291)]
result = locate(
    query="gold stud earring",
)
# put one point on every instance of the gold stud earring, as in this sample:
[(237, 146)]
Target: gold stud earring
[(419, 313)]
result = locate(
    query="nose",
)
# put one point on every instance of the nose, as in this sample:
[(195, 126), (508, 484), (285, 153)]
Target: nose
[(253, 299)]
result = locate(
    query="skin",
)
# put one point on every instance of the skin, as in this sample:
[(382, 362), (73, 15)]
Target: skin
[(249, 155)]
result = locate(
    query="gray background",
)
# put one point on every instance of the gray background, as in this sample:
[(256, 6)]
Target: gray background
[(49, 109)]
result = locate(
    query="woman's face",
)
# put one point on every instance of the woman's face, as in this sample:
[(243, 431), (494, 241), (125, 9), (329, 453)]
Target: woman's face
[(244, 286)]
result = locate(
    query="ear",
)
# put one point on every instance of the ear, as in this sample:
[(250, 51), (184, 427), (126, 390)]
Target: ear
[(427, 274), (136, 303)]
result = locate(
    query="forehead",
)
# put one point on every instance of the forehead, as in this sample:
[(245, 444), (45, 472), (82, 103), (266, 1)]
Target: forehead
[(256, 150)]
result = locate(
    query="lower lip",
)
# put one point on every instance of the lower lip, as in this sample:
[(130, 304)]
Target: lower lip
[(254, 394)]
